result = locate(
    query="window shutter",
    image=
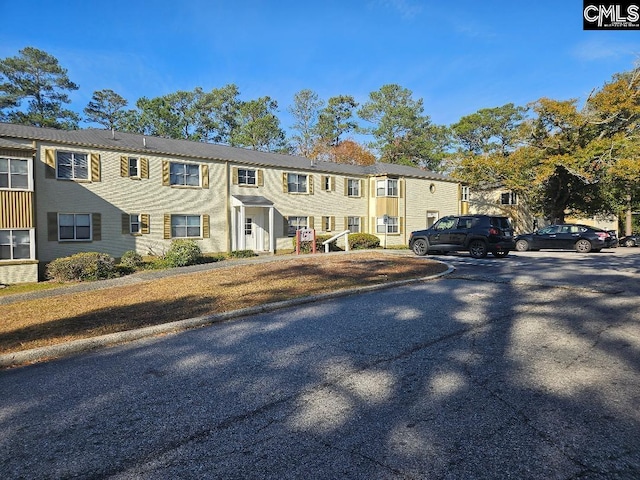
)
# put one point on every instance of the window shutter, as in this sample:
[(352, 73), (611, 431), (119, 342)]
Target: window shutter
[(205, 226), (401, 225), (311, 222), (126, 225), (332, 224), (144, 168), (204, 171), (95, 167), (96, 221), (332, 184), (373, 226), (165, 175), (310, 184), (401, 188), (124, 166), (52, 226), (362, 225), (361, 192), (50, 166), (144, 223), (372, 184), (346, 187), (346, 222), (234, 176), (323, 181), (260, 178), (167, 226), (285, 221), (285, 187)]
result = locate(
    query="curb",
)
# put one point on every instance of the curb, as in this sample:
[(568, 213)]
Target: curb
[(41, 354)]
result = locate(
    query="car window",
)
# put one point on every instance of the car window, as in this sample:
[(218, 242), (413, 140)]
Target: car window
[(445, 224), (548, 230), (502, 223), (465, 222)]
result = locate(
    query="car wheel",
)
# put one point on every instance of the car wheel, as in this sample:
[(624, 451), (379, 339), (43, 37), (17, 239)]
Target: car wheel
[(583, 246), (522, 245), (478, 249), (420, 247), (500, 253), (629, 243)]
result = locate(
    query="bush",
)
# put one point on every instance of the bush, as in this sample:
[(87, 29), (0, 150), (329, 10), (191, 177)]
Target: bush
[(242, 254), (182, 253), (131, 259), (82, 266), (363, 241)]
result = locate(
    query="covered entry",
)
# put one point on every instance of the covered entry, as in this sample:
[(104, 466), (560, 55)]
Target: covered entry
[(252, 219)]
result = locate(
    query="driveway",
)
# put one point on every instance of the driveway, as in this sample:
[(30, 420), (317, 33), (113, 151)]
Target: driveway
[(526, 367)]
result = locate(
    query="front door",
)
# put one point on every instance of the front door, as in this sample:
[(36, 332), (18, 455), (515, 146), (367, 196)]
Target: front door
[(253, 229)]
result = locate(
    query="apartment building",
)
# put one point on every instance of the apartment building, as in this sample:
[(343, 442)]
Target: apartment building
[(63, 192)]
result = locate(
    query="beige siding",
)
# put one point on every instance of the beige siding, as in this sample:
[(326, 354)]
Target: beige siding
[(18, 272)]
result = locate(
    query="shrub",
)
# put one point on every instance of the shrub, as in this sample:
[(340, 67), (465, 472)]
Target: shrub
[(131, 259), (82, 266), (242, 254), (182, 253), (363, 241)]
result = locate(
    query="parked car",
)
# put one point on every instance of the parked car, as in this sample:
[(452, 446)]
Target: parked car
[(582, 238), (613, 239), (630, 240), (477, 234)]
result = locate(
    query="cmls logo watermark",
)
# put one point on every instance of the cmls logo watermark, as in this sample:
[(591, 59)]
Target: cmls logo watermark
[(603, 15)]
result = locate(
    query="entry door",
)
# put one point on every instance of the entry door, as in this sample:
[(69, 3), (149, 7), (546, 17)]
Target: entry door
[(253, 229), (249, 233)]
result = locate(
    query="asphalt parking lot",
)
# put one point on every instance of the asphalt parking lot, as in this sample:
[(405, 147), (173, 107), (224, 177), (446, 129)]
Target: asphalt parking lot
[(526, 367)]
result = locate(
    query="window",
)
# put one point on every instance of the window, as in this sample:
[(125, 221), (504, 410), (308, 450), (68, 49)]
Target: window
[(508, 198), (328, 224), (14, 173), (74, 226), (248, 226), (353, 224), (134, 167), (72, 166), (446, 223), (296, 223), (327, 183), (391, 225), (465, 194), (246, 177), (185, 226), (296, 183), (387, 188), (185, 174), (134, 223), (353, 187), (15, 244)]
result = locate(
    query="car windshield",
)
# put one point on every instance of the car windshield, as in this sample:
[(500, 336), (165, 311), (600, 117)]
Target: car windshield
[(502, 223), (445, 224)]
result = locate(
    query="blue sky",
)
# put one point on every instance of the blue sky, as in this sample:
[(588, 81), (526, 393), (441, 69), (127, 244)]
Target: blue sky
[(457, 56)]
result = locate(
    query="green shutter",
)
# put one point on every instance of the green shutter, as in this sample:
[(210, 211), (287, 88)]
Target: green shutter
[(52, 226)]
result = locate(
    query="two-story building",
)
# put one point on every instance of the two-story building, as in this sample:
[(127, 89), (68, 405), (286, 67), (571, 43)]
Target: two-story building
[(63, 192)]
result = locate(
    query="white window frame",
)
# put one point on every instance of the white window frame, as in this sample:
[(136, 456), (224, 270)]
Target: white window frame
[(174, 226), (296, 223), (353, 187), (353, 224), (387, 187), (135, 224), (295, 179), (465, 193), (508, 198), (184, 178), (327, 183), (12, 245), (75, 226), (136, 165), (392, 226), (246, 177), (10, 181), (75, 165)]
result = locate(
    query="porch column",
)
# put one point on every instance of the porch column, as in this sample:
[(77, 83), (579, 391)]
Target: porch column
[(242, 241), (272, 232)]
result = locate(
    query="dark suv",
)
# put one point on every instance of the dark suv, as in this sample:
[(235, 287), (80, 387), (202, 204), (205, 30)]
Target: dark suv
[(478, 234)]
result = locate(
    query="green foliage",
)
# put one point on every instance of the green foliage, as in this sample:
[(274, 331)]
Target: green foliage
[(131, 259), (182, 253), (37, 78), (305, 110), (360, 241), (242, 254), (106, 109), (259, 127), (336, 119), (82, 266)]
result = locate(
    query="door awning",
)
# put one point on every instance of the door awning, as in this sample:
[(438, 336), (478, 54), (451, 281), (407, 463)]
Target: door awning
[(250, 201)]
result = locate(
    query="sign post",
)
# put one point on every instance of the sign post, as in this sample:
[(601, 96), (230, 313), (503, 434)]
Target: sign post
[(385, 219), (305, 235)]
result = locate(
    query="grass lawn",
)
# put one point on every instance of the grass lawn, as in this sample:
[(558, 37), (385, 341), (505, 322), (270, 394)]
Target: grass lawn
[(71, 316)]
